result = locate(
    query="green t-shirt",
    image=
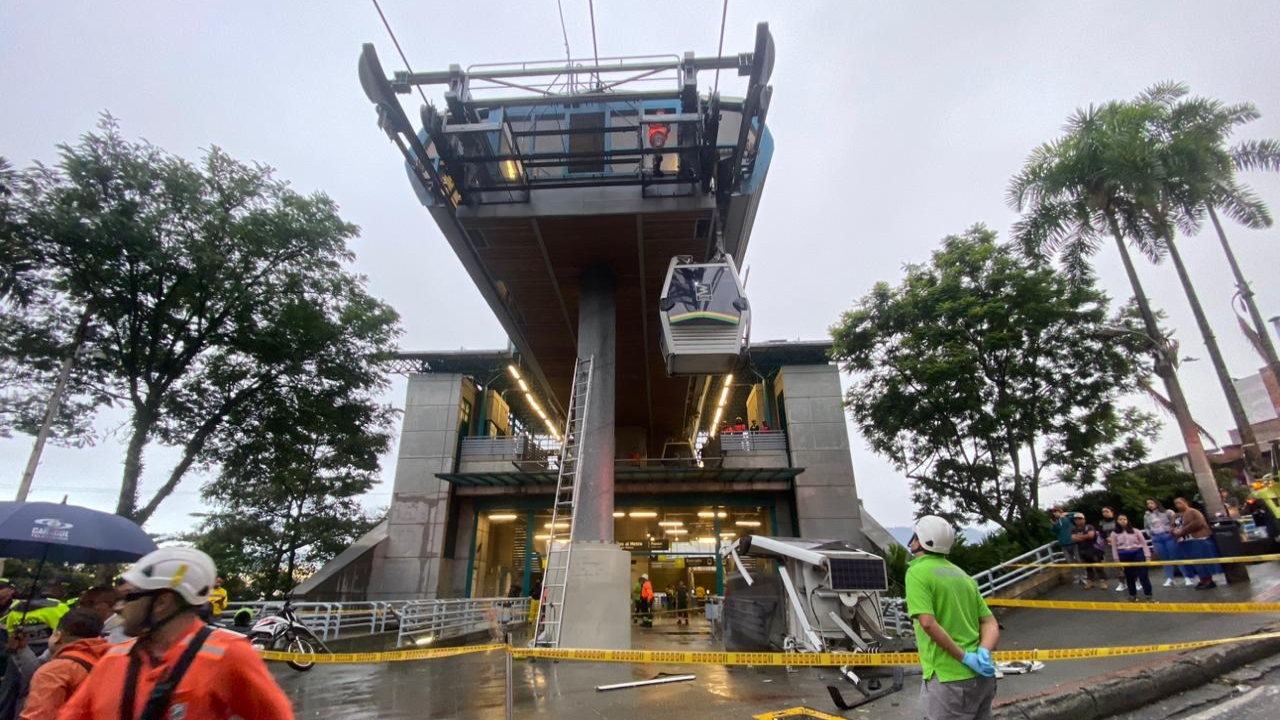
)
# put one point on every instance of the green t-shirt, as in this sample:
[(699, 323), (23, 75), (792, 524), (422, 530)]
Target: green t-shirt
[(938, 588)]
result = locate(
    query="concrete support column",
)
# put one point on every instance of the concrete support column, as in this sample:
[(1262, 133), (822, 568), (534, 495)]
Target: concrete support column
[(597, 339), (597, 611)]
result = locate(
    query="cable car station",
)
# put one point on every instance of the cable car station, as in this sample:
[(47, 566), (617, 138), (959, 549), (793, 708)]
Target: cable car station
[(602, 209)]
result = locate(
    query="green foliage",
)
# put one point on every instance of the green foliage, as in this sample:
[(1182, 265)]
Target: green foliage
[(896, 560), (1127, 491), (209, 287), (985, 374)]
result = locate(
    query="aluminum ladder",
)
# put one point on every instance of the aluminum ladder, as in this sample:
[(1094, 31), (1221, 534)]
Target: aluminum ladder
[(555, 578)]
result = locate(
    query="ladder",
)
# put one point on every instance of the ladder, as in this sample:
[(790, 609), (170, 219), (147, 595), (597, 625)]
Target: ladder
[(555, 578)]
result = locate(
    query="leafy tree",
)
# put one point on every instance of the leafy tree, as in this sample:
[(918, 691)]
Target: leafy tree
[(1092, 183), (984, 375), (292, 471), (209, 288)]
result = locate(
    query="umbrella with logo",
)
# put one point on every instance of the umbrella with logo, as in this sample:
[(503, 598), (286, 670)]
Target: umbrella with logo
[(69, 533)]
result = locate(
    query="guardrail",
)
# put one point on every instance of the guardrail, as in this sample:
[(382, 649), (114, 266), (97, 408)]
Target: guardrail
[(329, 620), (754, 441), (425, 622), (518, 447), (1002, 576)]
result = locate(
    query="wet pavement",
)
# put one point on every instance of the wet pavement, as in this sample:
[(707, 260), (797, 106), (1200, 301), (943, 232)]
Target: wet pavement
[(472, 687)]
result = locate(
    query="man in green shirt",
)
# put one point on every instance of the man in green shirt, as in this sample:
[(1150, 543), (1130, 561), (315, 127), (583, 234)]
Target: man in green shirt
[(955, 629)]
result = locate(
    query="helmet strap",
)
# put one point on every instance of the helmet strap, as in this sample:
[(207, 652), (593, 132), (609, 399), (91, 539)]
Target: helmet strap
[(151, 625)]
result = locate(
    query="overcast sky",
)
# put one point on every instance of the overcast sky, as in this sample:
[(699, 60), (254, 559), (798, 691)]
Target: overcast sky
[(895, 124)]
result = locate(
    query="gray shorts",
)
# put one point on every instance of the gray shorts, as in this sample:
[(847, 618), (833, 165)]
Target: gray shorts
[(959, 700)]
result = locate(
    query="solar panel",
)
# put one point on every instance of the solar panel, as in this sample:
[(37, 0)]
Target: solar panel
[(858, 574)]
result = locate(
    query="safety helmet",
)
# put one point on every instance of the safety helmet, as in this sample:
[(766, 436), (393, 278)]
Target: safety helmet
[(644, 576), (935, 534), (186, 571)]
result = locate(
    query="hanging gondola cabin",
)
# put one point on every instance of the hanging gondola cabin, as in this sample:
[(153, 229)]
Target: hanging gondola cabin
[(705, 317)]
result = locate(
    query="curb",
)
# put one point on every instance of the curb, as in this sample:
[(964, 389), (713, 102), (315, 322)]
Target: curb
[(1135, 687)]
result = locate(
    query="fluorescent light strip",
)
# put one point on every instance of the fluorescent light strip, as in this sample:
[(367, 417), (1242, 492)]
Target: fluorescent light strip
[(643, 514), (502, 517)]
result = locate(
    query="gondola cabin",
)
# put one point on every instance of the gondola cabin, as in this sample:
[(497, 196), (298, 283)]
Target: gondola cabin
[(706, 319)]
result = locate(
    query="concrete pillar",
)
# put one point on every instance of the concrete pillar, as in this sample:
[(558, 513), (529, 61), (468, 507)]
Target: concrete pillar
[(597, 611), (597, 339)]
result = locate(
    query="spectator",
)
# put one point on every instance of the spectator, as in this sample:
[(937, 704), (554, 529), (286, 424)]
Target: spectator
[(1062, 526), (764, 427), (1085, 537), (755, 426), (955, 629), (99, 600), (1105, 527), (1195, 543), (1230, 502), (1130, 546), (1159, 522), (682, 603), (76, 646), (738, 425)]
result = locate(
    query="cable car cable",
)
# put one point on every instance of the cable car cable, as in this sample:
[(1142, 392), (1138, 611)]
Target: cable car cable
[(396, 42)]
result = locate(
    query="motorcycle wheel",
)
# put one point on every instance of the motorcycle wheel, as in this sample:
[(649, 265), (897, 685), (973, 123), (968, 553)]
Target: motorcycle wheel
[(302, 647)]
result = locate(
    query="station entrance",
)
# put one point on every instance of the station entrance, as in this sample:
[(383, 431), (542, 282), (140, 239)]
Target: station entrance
[(672, 538)]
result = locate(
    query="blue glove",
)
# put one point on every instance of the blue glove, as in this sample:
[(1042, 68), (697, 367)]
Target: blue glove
[(980, 662)]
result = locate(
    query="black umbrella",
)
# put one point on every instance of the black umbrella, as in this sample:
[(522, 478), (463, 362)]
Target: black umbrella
[(69, 533)]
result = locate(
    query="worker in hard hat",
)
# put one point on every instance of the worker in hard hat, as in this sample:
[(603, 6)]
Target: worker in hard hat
[(646, 601), (955, 630)]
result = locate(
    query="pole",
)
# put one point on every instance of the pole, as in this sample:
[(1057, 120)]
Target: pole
[(511, 700), (51, 409)]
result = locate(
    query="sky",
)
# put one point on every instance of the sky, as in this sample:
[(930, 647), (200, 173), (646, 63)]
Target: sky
[(895, 124)]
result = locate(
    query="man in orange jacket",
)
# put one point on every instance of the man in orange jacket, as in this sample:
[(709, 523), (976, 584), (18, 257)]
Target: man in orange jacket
[(178, 667), (646, 601), (76, 647)]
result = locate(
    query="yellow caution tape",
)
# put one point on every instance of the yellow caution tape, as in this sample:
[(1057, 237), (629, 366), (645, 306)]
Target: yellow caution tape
[(1186, 607), (1154, 563), (378, 657), (681, 657)]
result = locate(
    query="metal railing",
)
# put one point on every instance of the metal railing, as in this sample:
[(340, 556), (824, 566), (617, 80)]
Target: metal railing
[(511, 446), (328, 620), (754, 441), (425, 622)]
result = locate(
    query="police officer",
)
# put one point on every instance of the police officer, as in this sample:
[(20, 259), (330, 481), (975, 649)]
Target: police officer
[(955, 630)]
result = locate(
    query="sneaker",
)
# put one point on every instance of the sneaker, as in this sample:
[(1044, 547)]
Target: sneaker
[(1168, 583), (1088, 584), (1133, 598), (1149, 599), (1120, 587), (1207, 586), (1189, 582)]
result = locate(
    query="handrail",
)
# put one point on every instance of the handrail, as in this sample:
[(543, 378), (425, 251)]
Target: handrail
[(424, 622), (329, 620)]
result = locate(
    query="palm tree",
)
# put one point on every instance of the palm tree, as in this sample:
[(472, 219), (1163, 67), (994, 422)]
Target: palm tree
[(1092, 182), (1196, 172)]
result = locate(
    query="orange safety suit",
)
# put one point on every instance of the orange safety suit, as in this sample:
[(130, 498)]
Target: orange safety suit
[(58, 679), (227, 678), (646, 591)]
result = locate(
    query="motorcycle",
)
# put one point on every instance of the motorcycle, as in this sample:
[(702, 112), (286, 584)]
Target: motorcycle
[(284, 632)]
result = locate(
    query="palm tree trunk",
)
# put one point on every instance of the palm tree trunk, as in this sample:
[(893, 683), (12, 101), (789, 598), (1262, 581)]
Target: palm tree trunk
[(1260, 327), (1205, 482), (1248, 440)]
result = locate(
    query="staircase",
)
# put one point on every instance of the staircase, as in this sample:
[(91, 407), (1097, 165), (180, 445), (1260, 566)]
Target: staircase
[(555, 577)]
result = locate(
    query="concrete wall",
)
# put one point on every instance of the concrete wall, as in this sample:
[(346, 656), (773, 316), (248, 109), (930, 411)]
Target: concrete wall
[(410, 564), (826, 495)]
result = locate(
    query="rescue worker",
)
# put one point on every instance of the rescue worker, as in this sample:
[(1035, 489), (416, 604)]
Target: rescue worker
[(955, 630), (646, 601), (7, 591), (36, 619), (177, 667), (635, 600), (217, 599), (76, 646)]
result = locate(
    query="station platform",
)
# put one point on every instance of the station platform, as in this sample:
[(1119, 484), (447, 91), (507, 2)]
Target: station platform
[(472, 687)]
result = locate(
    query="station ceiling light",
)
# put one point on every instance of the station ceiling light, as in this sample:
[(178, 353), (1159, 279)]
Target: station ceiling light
[(565, 526), (708, 539), (671, 523), (619, 513), (728, 535), (675, 531), (711, 514), (502, 517), (643, 514), (747, 523)]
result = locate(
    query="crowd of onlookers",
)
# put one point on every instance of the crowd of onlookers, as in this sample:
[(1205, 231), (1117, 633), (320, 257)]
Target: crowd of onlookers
[(1181, 533)]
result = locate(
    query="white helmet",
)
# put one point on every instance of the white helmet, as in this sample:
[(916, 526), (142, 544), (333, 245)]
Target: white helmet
[(186, 571), (935, 534)]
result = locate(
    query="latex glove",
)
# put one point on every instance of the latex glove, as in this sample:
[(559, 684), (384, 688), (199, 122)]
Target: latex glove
[(974, 662), (988, 664)]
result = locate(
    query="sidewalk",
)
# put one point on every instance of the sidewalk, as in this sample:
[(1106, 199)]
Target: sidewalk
[(473, 686)]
